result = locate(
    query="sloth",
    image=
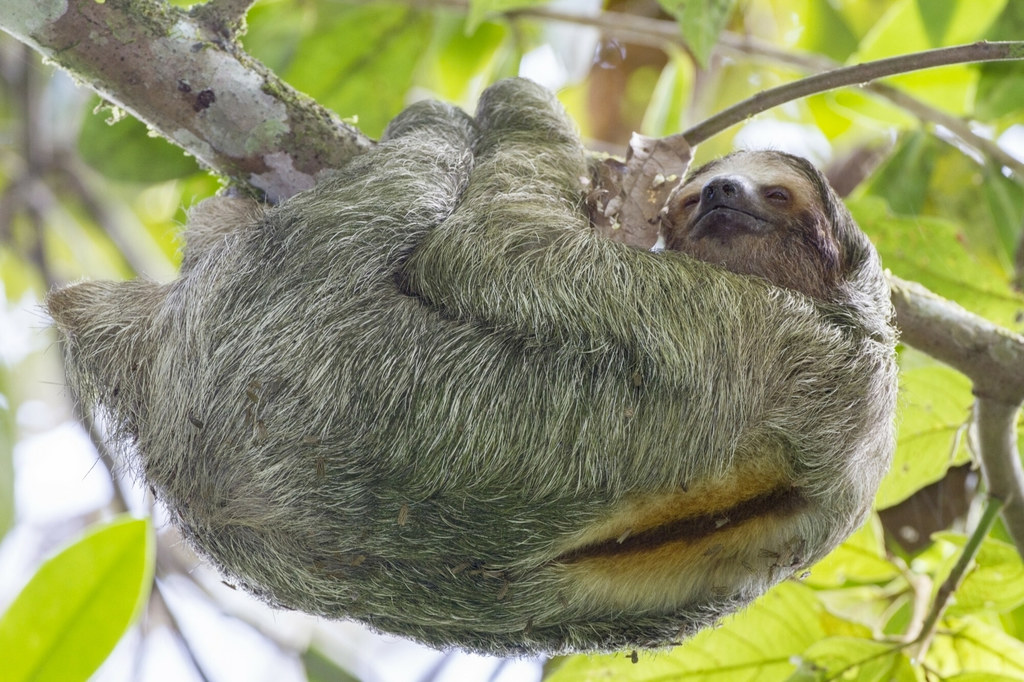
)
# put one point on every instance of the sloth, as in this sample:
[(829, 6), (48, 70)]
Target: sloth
[(426, 395)]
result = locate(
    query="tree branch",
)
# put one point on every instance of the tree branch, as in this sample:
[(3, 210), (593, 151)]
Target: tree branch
[(1000, 461), (204, 94), (990, 356), (956, 577), (657, 32), (852, 75), (993, 359)]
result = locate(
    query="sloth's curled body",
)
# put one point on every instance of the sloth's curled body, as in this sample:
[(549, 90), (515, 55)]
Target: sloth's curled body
[(427, 396)]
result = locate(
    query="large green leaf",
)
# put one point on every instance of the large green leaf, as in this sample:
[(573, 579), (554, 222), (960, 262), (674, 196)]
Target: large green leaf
[(126, 151), (860, 558), (994, 583), (76, 607), (932, 251), (849, 658), (759, 643), (933, 414), (969, 645), (359, 60)]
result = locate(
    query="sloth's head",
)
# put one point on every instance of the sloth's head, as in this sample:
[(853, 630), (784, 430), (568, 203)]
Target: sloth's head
[(768, 214)]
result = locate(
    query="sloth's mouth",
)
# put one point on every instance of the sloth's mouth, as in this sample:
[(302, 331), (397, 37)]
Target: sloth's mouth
[(724, 221), (780, 501)]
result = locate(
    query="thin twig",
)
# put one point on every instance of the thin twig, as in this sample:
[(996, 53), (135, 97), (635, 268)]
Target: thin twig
[(106, 459), (950, 585), (852, 75), (922, 110), (158, 598), (654, 32)]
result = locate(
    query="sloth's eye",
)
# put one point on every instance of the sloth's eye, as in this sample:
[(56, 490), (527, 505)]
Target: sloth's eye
[(779, 195), (691, 201)]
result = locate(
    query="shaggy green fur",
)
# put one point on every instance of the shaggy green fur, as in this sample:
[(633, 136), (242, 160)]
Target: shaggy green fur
[(391, 398)]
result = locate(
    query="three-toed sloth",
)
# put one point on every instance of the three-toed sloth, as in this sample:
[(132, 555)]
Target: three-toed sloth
[(427, 396)]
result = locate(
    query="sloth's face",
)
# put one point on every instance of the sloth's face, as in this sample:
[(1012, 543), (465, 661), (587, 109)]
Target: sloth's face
[(758, 213)]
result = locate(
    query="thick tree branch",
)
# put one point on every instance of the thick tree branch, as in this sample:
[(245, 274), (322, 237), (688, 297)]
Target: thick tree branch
[(993, 359), (990, 356), (200, 91)]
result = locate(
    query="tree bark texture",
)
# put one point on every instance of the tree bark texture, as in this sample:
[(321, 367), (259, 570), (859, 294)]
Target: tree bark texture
[(191, 85)]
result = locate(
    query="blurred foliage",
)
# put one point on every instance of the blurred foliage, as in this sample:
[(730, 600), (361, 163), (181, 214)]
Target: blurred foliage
[(84, 196), (103, 581)]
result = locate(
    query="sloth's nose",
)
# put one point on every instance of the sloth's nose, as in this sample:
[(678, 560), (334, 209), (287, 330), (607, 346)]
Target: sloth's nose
[(719, 188), (722, 189)]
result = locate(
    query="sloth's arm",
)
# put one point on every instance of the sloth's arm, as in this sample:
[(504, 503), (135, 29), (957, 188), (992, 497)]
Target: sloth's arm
[(518, 254)]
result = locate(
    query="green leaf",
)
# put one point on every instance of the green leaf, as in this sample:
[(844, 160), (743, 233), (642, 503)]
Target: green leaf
[(936, 17), (934, 410), (359, 60), (126, 151), (1000, 90), (755, 644), (1004, 204), (903, 180), (904, 28), (275, 29), (824, 30), (861, 558), (869, 606), (701, 22), (970, 645), (932, 251), (320, 668), (863, 660), (994, 583), (460, 63), (76, 607)]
